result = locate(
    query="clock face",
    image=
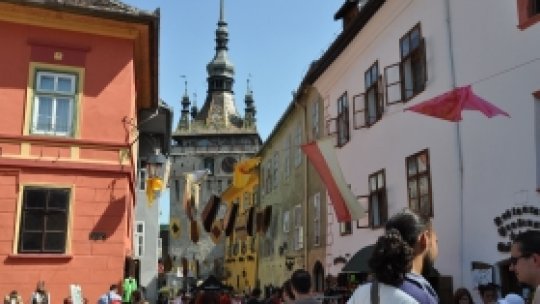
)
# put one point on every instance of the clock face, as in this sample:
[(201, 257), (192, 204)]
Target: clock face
[(227, 164)]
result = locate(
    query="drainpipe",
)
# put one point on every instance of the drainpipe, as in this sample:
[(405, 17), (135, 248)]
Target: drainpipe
[(306, 198), (458, 139)]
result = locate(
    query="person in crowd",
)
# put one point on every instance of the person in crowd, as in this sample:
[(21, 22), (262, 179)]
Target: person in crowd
[(463, 296), (254, 297), (511, 298), (287, 295), (224, 298), (111, 296), (301, 287), (40, 295), (275, 297), (525, 260), (207, 297), (13, 298), (419, 234), (488, 293), (391, 260)]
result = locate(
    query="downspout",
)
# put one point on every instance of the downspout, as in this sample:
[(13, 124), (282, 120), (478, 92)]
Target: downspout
[(458, 139), (306, 198)]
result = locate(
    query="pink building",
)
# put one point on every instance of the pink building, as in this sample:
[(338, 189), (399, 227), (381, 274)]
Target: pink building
[(74, 76)]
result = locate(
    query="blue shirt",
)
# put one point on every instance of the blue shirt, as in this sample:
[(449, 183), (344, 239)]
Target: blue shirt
[(419, 288)]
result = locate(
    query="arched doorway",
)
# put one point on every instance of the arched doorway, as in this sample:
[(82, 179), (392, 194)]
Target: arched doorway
[(318, 277)]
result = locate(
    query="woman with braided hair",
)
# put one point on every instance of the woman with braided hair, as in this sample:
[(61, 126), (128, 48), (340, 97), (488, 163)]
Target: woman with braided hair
[(391, 261)]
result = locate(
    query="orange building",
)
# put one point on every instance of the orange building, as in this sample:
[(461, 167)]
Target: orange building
[(74, 76)]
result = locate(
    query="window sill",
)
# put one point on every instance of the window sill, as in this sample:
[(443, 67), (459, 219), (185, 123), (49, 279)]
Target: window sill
[(37, 256), (530, 21)]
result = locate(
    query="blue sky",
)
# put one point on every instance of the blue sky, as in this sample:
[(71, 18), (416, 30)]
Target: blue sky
[(273, 41)]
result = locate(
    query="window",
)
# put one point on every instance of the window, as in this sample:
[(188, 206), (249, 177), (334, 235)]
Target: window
[(44, 220), (54, 103), (142, 179), (138, 238), (297, 146), (528, 13), (345, 228), (209, 164), (317, 219), (286, 156), (275, 169), (315, 119), (286, 221), (160, 248), (342, 120), (269, 179), (298, 228), (412, 68), (373, 99), (378, 208), (419, 183)]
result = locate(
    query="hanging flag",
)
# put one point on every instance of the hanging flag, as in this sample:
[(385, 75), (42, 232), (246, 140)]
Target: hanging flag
[(448, 106), (243, 171), (209, 212), (321, 155)]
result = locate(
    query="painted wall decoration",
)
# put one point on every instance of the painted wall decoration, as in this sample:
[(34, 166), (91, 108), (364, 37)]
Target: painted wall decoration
[(515, 220)]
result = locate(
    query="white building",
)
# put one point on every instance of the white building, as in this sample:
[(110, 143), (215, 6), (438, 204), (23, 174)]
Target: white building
[(476, 169)]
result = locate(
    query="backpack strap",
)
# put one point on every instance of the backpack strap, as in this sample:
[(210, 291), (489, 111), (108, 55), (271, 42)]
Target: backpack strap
[(374, 292)]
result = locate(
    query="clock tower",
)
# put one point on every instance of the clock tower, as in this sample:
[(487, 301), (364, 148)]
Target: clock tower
[(215, 138)]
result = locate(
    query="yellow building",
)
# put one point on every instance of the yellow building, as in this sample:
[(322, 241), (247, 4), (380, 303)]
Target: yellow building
[(241, 241)]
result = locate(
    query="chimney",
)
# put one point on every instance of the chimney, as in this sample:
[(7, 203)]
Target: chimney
[(348, 12)]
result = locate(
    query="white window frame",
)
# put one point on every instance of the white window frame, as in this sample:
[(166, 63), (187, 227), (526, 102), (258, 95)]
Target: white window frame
[(55, 95), (139, 239), (286, 221), (298, 228), (317, 219)]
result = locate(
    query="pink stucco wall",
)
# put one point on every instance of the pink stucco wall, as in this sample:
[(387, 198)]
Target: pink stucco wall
[(102, 197)]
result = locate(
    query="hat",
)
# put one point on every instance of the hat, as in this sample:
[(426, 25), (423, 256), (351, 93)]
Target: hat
[(511, 298)]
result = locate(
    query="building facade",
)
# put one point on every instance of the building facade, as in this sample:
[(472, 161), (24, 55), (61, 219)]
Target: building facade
[(213, 138), (291, 188), (242, 226), (395, 54), (155, 137), (68, 142)]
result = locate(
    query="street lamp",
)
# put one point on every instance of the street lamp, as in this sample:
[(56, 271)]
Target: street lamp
[(155, 167)]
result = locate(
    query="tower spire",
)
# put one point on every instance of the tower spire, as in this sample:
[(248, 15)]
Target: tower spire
[(221, 11)]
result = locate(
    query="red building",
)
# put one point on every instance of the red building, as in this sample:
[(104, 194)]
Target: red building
[(74, 76)]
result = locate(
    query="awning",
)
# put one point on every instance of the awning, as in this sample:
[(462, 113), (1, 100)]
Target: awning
[(359, 261), (321, 155)]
